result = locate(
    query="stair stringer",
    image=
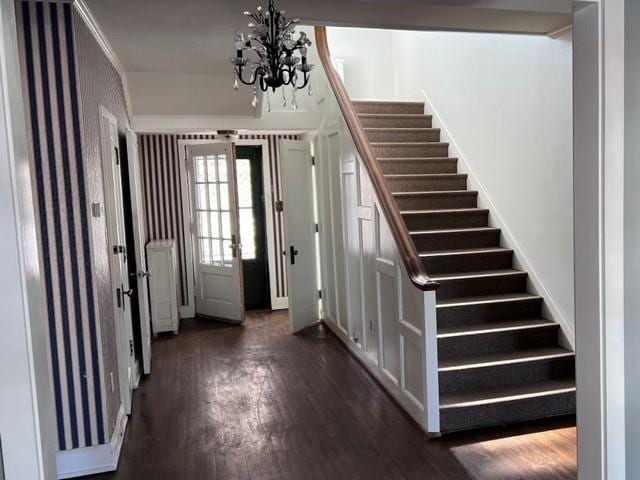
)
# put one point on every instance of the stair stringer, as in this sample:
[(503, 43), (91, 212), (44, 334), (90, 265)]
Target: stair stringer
[(550, 308)]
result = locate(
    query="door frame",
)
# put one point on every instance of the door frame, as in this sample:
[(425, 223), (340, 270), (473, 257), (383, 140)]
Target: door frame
[(28, 442), (189, 310), (277, 303), (123, 339)]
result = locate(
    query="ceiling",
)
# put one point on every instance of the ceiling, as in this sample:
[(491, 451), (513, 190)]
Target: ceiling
[(196, 36)]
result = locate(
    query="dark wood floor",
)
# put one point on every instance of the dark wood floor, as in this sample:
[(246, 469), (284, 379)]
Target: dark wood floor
[(257, 403)]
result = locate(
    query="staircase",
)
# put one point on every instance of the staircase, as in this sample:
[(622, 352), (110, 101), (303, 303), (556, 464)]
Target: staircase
[(499, 360)]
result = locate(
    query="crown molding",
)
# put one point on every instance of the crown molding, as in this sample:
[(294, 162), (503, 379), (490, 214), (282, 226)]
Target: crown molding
[(95, 29)]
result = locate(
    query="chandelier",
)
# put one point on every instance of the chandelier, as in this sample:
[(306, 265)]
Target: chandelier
[(278, 60)]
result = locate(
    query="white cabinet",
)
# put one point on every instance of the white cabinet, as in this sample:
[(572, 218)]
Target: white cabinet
[(163, 285)]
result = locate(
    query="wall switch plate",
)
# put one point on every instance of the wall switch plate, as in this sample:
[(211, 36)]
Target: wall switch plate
[(96, 210)]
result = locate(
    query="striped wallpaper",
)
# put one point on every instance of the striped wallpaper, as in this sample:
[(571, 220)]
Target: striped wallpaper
[(48, 53), (163, 195)]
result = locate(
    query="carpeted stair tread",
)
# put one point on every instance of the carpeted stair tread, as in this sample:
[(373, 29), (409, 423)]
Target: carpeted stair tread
[(495, 359), (443, 211), (409, 144), (453, 230), (495, 327), (418, 159), (486, 299), (467, 251), (488, 274), (508, 394)]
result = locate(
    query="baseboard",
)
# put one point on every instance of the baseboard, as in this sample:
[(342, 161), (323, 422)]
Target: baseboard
[(549, 305), (279, 303), (187, 311), (97, 459)]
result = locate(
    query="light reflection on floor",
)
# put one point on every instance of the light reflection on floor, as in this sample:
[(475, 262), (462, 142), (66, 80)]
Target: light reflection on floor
[(545, 451)]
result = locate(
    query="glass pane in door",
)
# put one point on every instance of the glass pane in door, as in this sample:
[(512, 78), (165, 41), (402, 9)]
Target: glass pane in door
[(245, 209), (213, 218)]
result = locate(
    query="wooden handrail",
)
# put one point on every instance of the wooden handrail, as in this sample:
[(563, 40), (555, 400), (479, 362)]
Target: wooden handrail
[(405, 244)]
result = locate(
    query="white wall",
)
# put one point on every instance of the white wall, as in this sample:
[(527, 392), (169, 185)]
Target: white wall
[(368, 57), (506, 102)]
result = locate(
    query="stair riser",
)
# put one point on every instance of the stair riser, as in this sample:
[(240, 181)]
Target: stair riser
[(468, 262), (407, 150), (502, 342), (426, 184), (433, 241), (389, 107), (437, 202), (469, 287), (422, 121), (510, 412), (431, 221), (390, 167), (513, 375), (475, 314), (432, 135)]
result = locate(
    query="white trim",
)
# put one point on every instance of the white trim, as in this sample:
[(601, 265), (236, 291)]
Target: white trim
[(191, 123), (496, 220), (560, 31), (97, 459), (95, 29)]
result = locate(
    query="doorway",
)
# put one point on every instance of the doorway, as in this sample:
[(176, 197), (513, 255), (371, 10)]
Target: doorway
[(253, 229)]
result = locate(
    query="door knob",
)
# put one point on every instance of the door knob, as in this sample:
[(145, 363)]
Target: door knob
[(128, 293), (141, 273)]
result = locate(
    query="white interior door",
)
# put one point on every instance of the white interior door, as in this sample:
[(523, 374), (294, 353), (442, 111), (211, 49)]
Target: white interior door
[(214, 225), (142, 274), (112, 181), (299, 224)]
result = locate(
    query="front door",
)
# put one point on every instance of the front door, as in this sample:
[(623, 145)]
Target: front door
[(299, 224), (112, 180), (251, 212), (214, 226)]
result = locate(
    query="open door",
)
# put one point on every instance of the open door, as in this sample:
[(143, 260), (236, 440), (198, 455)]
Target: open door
[(299, 225), (142, 274), (112, 180), (217, 252)]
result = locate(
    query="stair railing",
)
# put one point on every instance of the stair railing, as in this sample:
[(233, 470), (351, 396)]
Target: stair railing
[(406, 247)]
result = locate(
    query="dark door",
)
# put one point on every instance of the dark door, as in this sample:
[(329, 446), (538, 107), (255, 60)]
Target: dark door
[(253, 235)]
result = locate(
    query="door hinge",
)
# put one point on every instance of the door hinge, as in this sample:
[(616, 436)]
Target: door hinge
[(313, 160), (131, 352), (117, 155), (279, 206), (319, 293), (317, 227)]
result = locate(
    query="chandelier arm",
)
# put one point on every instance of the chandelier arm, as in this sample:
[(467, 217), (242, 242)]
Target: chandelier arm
[(304, 83), (251, 80)]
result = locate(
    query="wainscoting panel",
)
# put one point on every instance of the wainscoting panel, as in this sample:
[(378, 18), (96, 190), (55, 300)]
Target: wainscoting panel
[(368, 298)]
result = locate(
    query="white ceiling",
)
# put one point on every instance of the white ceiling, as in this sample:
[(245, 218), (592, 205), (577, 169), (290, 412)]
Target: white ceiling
[(196, 36)]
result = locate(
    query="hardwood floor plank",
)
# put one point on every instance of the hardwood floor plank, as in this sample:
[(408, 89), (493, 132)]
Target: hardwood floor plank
[(257, 403)]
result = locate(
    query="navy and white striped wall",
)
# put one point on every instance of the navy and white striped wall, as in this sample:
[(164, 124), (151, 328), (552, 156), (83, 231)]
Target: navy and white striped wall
[(159, 156), (49, 68)]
